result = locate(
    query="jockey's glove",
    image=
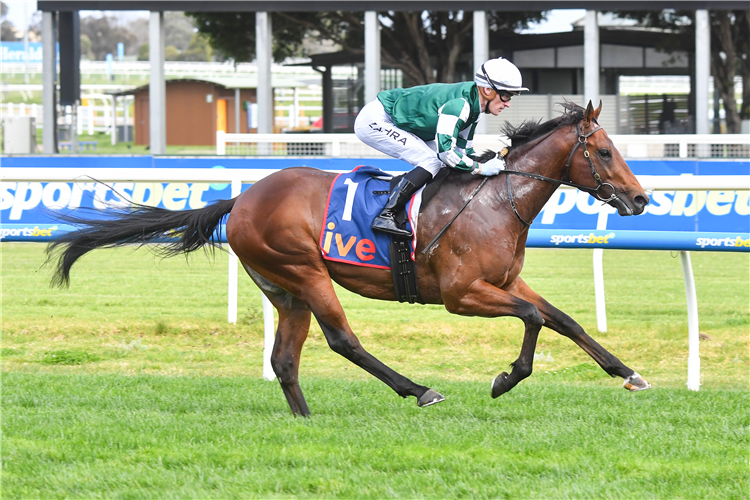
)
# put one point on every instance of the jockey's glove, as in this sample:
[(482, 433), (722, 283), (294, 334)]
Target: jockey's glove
[(489, 168)]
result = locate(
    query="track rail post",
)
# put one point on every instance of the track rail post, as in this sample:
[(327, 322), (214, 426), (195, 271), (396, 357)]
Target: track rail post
[(694, 360)]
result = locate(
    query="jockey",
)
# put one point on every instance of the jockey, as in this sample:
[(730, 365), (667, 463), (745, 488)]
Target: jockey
[(432, 126)]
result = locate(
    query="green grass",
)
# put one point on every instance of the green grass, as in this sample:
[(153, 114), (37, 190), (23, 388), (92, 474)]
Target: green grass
[(112, 436), (131, 384)]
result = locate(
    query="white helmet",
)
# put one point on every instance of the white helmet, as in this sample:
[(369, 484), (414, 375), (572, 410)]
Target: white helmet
[(499, 74)]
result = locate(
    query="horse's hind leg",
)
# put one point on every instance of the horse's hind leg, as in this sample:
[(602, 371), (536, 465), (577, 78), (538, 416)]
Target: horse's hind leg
[(325, 305), (563, 324), (341, 339), (294, 325)]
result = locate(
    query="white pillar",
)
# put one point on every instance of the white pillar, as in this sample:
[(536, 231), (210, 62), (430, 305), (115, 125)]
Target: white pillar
[(49, 83), (372, 55), (295, 121), (694, 359), (264, 59), (702, 69), (75, 127), (157, 88), (233, 277), (591, 59), (113, 130), (601, 305), (25, 43), (481, 53), (90, 117), (78, 118), (125, 118)]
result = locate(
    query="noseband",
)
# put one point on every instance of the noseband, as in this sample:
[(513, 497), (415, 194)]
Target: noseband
[(582, 138)]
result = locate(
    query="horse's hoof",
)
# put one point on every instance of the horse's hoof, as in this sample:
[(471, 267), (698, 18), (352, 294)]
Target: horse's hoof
[(636, 383), (498, 385), (430, 398)]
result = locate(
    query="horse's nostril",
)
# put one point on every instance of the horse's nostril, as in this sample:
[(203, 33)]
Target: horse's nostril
[(641, 201)]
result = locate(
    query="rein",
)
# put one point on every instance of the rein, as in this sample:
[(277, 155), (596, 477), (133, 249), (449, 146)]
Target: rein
[(471, 196), (582, 141)]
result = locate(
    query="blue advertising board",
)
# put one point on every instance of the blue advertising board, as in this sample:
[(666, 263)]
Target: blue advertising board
[(15, 52), (30, 204)]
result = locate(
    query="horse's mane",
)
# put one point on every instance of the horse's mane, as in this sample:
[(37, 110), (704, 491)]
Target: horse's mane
[(532, 129)]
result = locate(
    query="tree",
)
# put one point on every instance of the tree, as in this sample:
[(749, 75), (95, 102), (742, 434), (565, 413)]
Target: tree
[(427, 46), (198, 50), (178, 30), (86, 47), (143, 54), (232, 35), (730, 50), (105, 34), (7, 30)]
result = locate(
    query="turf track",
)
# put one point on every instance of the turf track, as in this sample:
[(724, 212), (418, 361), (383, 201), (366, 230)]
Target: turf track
[(132, 385)]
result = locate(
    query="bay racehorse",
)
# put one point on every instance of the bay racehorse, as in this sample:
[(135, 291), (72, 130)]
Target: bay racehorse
[(274, 227)]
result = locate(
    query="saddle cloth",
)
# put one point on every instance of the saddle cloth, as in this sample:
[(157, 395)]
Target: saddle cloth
[(352, 204)]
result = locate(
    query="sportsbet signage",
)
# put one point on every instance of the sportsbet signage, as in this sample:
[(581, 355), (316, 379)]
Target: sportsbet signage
[(27, 208)]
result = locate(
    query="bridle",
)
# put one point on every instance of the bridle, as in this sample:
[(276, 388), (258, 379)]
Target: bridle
[(582, 141)]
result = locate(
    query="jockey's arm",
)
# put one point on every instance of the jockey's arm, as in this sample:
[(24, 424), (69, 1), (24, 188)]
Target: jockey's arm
[(453, 139)]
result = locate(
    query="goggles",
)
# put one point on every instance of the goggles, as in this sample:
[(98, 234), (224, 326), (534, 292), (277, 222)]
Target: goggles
[(505, 95)]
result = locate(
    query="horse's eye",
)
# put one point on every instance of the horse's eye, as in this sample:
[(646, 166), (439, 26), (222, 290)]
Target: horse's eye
[(605, 153)]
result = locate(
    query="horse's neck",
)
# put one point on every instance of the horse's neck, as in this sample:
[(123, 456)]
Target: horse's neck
[(545, 156)]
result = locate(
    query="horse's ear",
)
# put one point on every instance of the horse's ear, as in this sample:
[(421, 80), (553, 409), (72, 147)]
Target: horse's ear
[(598, 110), (588, 114)]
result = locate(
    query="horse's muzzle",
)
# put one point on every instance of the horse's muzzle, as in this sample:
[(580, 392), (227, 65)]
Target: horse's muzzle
[(626, 205)]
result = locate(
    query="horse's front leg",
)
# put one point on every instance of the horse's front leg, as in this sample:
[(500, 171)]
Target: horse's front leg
[(563, 324), (483, 299)]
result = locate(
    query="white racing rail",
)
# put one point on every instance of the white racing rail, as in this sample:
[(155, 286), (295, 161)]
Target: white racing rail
[(237, 176), (349, 146)]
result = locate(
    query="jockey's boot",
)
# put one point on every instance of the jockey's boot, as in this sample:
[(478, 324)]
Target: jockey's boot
[(406, 187)]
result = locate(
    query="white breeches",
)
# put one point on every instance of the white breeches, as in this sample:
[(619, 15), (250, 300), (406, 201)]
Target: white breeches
[(376, 129)]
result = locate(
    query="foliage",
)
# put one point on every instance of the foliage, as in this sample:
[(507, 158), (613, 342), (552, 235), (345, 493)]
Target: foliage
[(143, 52), (178, 30), (171, 53), (86, 47), (232, 35), (730, 50), (104, 33), (427, 46), (7, 30), (198, 49)]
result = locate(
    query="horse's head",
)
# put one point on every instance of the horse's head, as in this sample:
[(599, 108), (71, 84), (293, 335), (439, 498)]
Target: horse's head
[(596, 164)]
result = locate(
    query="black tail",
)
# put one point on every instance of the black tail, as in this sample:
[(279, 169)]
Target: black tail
[(137, 225)]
